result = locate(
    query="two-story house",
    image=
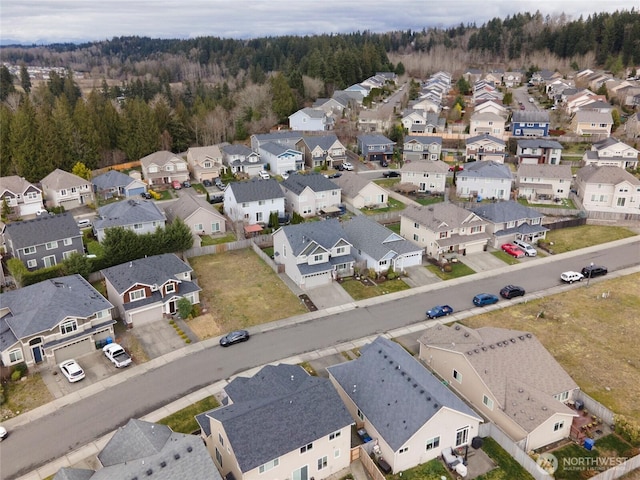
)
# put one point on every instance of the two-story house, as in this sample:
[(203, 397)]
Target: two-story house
[(420, 121), (608, 188), (21, 196), (197, 214), (322, 150), (486, 123), (242, 161), (444, 228), (280, 158), (116, 184), (252, 202), (164, 167), (64, 189), (43, 241), (544, 182), (427, 176), (510, 220), (485, 147), (313, 253), (484, 180), (421, 148), (538, 150), (140, 216), (375, 148), (250, 437), (310, 194), (205, 163), (360, 192), (144, 290), (530, 123), (52, 321), (491, 106), (310, 120), (587, 122), (611, 151)]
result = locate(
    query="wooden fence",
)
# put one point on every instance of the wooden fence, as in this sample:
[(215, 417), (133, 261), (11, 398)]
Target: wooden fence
[(259, 240), (119, 167), (370, 466)]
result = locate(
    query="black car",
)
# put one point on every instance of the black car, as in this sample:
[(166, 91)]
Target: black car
[(207, 183), (511, 291), (391, 174), (236, 336), (186, 184), (335, 175), (146, 195), (594, 271), (216, 199)]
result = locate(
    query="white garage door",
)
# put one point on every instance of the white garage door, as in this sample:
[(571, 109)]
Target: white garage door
[(146, 316), (74, 350), (317, 280)]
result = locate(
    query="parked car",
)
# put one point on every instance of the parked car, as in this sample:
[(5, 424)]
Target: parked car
[(42, 211), (117, 355), (456, 168), (484, 299), (511, 291), (285, 175), (72, 371), (513, 250), (186, 184), (207, 183), (570, 277), (216, 199), (334, 175), (439, 311), (219, 183), (264, 175), (391, 174), (236, 336), (528, 249), (594, 271), (84, 223), (176, 185), (3, 433), (347, 166), (146, 195)]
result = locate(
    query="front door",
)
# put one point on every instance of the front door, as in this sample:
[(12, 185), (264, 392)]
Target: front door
[(36, 349), (301, 473), (172, 306)]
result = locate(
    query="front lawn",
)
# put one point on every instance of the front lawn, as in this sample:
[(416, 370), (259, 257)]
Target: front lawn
[(24, 395), (388, 183), (458, 269), (505, 257), (393, 205), (183, 421), (574, 238), (359, 291)]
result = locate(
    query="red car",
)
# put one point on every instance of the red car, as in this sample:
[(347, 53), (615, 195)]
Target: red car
[(458, 168), (513, 250)]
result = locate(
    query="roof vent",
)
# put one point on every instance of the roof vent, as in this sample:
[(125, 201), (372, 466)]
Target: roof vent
[(520, 390), (422, 390), (402, 373), (163, 464), (189, 449), (457, 327), (513, 340), (469, 352), (528, 335), (466, 334), (428, 398), (149, 472), (380, 351), (435, 405), (484, 349), (415, 385), (492, 346), (476, 350), (176, 456), (544, 408), (521, 337)]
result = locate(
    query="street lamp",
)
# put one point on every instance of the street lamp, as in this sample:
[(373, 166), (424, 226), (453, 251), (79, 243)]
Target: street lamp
[(590, 270)]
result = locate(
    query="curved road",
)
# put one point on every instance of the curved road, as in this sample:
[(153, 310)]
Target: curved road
[(36, 443)]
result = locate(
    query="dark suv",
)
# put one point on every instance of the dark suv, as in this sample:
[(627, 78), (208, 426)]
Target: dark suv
[(511, 291), (594, 271)]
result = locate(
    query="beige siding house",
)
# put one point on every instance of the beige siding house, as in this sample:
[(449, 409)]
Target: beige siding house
[(544, 182), (164, 167), (508, 376), (486, 123), (608, 188), (611, 151), (360, 192), (64, 189), (205, 163), (22, 197), (587, 122), (197, 214), (427, 175)]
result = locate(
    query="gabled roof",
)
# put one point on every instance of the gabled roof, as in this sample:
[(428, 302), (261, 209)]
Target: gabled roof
[(160, 158), (485, 169), (259, 423), (431, 166), (325, 142), (315, 181), (376, 240), (591, 116), (186, 205), (542, 171), (236, 149), (442, 217), (609, 142), (277, 149), (154, 270), (111, 179), (520, 373), (394, 391), (352, 183), (530, 116), (487, 117), (16, 185), (607, 174), (59, 179), (42, 229), (40, 307), (304, 236), (485, 136), (128, 212), (538, 143), (255, 190), (375, 139), (423, 139), (508, 211), (212, 152), (310, 112), (288, 137)]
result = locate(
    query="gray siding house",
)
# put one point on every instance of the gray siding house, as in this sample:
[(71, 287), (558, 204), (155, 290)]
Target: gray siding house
[(141, 216)]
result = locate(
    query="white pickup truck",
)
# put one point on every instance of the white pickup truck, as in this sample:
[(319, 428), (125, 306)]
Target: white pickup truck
[(117, 355)]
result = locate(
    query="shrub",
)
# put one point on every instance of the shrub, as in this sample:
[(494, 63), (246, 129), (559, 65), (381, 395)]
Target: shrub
[(628, 429), (22, 368), (188, 340), (16, 375)]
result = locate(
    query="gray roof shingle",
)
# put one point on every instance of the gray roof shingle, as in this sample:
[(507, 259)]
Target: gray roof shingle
[(255, 190), (325, 234), (315, 181), (41, 230), (376, 240), (508, 211), (486, 169), (111, 179), (128, 212)]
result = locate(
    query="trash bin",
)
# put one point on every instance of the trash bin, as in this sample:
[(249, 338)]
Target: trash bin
[(579, 405), (588, 443), (108, 340)]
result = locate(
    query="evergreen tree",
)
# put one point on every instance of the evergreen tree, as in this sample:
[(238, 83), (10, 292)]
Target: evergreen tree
[(25, 142), (139, 135), (6, 161), (25, 80), (6, 83), (78, 263), (284, 102)]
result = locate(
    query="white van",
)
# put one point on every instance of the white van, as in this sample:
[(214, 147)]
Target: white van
[(529, 251), (84, 223)]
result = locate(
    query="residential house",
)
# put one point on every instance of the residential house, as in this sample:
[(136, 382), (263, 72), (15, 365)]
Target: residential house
[(251, 437), (512, 79), (376, 148), (538, 151), (408, 412), (491, 106), (322, 151), (52, 321), (314, 253), (530, 123), (418, 147), (632, 125), (242, 160), (280, 158), (379, 248), (360, 192), (510, 221), (116, 184), (427, 176), (148, 450), (486, 123), (580, 98), (426, 104), (421, 121), (44, 241), (146, 289), (311, 120), (586, 122), (612, 151), (597, 106), (485, 148), (545, 76), (64, 189), (310, 194), (287, 138), (163, 167), (506, 375), (334, 105), (444, 228), (544, 182), (205, 163), (23, 197), (473, 75), (608, 188), (197, 214), (484, 180), (252, 202), (140, 216)]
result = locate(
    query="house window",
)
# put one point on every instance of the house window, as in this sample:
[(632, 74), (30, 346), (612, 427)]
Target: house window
[(32, 263), (462, 435), (67, 241), (403, 450), (68, 327), (170, 288), (258, 216), (153, 169), (360, 415), (215, 227), (66, 255), (476, 229), (136, 295), (558, 426), (443, 234), (322, 463), (265, 467), (260, 202), (49, 261), (207, 164), (29, 250), (137, 226), (334, 435), (51, 245), (168, 168), (317, 258), (306, 448), (341, 250), (457, 375), (336, 453), (488, 402), (15, 356), (73, 190), (198, 227), (433, 443), (101, 314), (415, 237), (220, 439), (63, 193), (561, 397), (218, 457)]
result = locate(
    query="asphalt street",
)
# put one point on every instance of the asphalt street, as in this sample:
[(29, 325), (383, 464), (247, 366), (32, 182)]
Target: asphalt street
[(38, 442)]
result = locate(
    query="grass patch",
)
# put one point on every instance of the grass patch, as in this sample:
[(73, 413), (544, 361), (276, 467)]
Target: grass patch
[(269, 251), (613, 445), (394, 227), (564, 203), (595, 347), (393, 205), (569, 453), (387, 183), (95, 248), (198, 187), (429, 200), (432, 470), (309, 369), (24, 395), (101, 287), (505, 257), (183, 421), (574, 238), (217, 240), (358, 291), (458, 269), (507, 468)]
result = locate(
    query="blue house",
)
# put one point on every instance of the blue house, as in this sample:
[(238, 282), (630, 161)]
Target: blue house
[(117, 184), (375, 148), (528, 123)]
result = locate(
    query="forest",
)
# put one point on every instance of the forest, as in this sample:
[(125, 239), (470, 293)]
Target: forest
[(149, 94)]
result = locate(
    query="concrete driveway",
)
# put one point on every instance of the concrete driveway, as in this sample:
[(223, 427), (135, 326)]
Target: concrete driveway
[(482, 261), (327, 296)]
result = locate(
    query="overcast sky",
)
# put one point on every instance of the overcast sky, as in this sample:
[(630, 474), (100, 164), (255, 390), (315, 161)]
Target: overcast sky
[(47, 21)]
